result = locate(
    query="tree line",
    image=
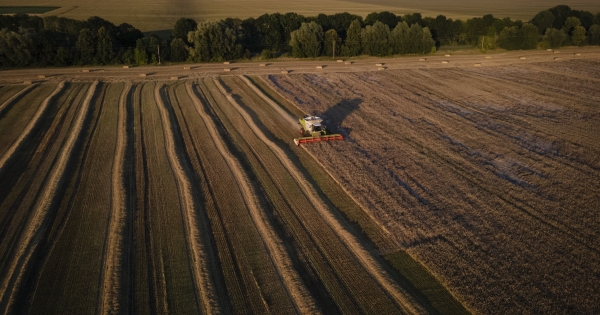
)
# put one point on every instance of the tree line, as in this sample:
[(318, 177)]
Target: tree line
[(57, 41)]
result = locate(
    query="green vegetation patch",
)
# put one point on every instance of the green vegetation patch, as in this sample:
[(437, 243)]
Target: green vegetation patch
[(26, 9), (431, 289)]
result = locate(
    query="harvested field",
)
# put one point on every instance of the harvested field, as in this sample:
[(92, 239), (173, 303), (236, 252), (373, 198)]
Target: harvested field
[(457, 189), (490, 177)]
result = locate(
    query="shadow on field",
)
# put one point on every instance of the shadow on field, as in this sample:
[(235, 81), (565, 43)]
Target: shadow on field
[(335, 115)]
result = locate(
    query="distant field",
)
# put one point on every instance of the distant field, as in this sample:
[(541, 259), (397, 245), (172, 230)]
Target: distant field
[(162, 14), (27, 10)]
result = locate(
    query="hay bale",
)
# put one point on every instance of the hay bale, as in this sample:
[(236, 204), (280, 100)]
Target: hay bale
[(422, 59), (27, 82), (577, 54), (226, 62), (174, 78), (556, 58), (477, 65), (444, 61), (319, 67), (262, 65), (549, 49), (125, 67), (41, 76), (381, 68), (186, 68), (85, 70), (226, 69), (284, 72), (340, 60), (447, 55), (522, 58), (348, 62), (488, 57), (143, 74), (379, 64)]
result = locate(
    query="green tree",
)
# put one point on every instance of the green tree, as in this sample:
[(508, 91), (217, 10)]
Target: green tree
[(141, 55), (374, 39), (388, 18), (578, 37), (543, 21), (214, 41), (561, 13), (399, 39), (554, 38), (594, 34), (307, 40), (331, 37), (128, 56), (352, 45), (15, 49), (104, 51), (182, 27), (414, 18), (86, 46), (570, 24), (528, 34), (62, 57), (179, 51), (427, 42), (508, 38)]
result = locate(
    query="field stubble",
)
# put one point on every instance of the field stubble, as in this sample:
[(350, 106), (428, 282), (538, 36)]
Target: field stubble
[(487, 176)]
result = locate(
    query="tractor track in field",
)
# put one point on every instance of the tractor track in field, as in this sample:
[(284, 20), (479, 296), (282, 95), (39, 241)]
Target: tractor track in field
[(195, 246), (111, 291), (17, 207), (224, 242), (142, 173), (350, 241), (293, 284), (34, 228), (34, 121), (13, 99)]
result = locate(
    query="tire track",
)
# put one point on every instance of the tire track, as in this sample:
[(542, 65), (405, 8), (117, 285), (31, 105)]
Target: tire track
[(34, 228), (30, 125), (362, 255), (296, 290), (111, 286), (200, 263), (9, 102)]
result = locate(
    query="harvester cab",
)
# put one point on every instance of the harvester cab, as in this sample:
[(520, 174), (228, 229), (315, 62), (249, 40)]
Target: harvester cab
[(312, 130)]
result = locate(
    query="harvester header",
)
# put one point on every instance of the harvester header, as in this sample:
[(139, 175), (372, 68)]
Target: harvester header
[(313, 131)]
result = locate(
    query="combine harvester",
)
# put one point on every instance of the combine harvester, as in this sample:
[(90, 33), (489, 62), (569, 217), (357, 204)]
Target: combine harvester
[(313, 131)]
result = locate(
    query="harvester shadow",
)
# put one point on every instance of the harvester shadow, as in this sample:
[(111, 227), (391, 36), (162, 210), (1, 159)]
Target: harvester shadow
[(335, 115)]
